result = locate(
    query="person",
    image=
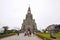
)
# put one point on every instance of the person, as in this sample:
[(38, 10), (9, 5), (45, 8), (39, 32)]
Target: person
[(17, 32), (33, 32), (28, 33), (25, 33)]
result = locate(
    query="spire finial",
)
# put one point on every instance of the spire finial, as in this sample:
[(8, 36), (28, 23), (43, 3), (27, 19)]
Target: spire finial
[(29, 9)]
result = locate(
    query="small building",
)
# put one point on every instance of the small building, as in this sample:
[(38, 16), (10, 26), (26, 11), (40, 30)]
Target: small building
[(53, 27), (1, 30)]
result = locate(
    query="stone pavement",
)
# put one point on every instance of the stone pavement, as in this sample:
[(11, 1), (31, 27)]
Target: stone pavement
[(22, 37)]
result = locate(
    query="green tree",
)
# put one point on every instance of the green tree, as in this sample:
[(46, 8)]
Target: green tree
[(5, 29), (44, 30)]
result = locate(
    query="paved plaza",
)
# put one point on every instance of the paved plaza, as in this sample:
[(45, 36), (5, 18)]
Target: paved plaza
[(22, 37)]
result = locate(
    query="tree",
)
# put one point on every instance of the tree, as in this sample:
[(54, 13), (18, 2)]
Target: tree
[(44, 30), (5, 28)]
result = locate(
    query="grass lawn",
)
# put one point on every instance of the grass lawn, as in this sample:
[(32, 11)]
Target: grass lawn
[(47, 35), (6, 35), (57, 35)]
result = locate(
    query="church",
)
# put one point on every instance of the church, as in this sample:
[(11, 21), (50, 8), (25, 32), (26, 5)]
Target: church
[(29, 22)]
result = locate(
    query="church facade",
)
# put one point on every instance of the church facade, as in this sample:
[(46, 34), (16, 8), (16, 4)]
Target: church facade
[(29, 22)]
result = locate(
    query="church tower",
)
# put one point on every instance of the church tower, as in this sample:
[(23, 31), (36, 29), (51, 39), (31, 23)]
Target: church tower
[(29, 22)]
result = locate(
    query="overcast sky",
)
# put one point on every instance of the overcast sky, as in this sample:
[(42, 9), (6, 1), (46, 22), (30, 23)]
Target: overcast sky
[(45, 12)]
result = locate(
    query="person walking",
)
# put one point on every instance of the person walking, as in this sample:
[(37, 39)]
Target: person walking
[(28, 33), (17, 32)]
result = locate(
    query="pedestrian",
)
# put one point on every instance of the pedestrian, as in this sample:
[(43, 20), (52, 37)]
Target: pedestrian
[(28, 33), (18, 33), (25, 33)]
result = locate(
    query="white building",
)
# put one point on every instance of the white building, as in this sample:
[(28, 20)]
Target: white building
[(1, 30)]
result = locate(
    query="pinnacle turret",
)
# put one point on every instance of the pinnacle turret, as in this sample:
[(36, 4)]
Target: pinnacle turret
[(29, 9)]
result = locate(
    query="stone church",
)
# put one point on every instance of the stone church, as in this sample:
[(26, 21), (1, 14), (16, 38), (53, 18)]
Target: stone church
[(29, 22)]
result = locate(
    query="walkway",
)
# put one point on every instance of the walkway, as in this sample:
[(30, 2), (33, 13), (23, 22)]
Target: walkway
[(22, 37)]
